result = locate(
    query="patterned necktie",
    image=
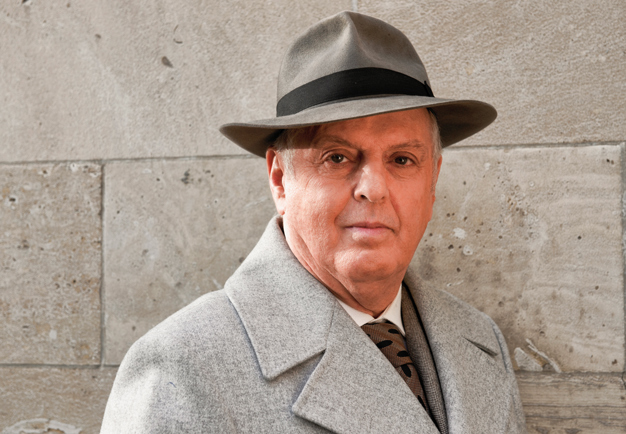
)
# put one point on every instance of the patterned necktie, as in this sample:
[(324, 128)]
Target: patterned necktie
[(391, 343)]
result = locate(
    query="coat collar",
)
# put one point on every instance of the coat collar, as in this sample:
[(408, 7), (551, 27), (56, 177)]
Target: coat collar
[(291, 317), (286, 311)]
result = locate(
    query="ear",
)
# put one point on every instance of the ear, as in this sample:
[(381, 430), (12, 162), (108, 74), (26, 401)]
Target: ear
[(434, 182), (436, 175), (276, 174)]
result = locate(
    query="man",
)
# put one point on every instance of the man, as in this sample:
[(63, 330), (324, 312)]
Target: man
[(323, 328)]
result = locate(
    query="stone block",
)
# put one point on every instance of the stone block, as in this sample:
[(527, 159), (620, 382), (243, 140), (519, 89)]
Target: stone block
[(175, 230), (119, 79), (50, 262), (532, 236), (53, 400), (573, 403), (555, 71)]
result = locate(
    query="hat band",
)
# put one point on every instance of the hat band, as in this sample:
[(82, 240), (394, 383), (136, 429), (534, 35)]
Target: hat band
[(352, 83)]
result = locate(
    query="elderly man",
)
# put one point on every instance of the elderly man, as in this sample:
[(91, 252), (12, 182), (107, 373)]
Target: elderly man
[(323, 328)]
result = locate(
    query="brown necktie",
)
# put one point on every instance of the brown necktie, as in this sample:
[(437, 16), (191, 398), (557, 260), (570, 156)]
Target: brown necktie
[(390, 341)]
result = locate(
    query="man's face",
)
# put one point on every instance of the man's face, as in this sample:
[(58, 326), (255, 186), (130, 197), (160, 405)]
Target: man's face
[(357, 200)]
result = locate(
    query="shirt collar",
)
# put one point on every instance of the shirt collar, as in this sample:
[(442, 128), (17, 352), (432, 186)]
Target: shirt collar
[(393, 313)]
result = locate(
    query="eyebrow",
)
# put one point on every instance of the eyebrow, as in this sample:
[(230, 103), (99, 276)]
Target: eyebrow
[(412, 144), (330, 138)]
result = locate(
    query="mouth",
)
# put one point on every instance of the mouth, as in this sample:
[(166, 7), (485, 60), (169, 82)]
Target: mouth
[(368, 225), (368, 230)]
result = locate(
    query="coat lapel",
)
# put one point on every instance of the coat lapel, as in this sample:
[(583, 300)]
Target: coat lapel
[(355, 389), (471, 369), (290, 317), (286, 312)]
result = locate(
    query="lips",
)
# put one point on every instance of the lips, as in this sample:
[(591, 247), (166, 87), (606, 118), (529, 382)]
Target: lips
[(369, 231), (368, 225)]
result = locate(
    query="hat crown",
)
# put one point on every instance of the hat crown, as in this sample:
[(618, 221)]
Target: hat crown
[(348, 41), (351, 66)]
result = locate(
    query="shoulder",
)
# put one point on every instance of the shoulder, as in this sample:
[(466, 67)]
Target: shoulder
[(473, 321), (171, 375), (207, 322), (450, 318), (442, 304), (468, 314), (465, 312)]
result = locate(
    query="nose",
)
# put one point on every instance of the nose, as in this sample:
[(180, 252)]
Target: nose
[(372, 184)]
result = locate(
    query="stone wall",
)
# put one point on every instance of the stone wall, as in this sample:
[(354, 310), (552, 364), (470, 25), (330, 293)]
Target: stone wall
[(120, 202)]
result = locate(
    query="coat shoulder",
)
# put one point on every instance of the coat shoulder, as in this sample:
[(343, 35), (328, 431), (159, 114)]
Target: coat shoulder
[(206, 313), (170, 374), (450, 313), (467, 310), (468, 318), (206, 323)]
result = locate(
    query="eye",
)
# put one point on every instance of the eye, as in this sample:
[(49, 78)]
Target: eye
[(401, 160), (337, 158)]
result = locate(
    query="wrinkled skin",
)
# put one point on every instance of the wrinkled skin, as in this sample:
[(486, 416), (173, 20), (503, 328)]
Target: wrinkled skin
[(355, 203)]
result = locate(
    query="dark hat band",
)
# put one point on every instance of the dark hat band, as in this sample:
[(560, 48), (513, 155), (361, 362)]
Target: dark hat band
[(351, 83)]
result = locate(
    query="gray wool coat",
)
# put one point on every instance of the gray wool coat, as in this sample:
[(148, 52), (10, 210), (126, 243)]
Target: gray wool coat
[(274, 352)]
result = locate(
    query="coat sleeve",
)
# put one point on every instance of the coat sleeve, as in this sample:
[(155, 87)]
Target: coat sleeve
[(152, 393)]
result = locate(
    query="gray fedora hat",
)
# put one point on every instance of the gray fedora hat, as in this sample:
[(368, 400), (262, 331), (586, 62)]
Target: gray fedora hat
[(350, 66)]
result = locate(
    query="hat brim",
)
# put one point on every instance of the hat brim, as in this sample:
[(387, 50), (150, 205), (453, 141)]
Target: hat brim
[(457, 119)]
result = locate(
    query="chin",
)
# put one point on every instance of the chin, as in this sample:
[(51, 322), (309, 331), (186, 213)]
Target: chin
[(371, 271)]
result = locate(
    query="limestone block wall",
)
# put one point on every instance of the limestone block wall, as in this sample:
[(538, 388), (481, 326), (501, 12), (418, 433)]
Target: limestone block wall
[(120, 202)]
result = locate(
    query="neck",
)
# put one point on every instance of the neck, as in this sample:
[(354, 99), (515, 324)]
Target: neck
[(372, 300)]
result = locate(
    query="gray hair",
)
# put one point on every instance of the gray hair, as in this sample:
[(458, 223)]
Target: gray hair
[(288, 139), (436, 137)]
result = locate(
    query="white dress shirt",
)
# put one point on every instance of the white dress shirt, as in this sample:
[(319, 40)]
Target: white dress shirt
[(393, 313)]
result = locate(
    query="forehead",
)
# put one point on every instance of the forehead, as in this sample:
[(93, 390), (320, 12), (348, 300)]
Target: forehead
[(411, 127)]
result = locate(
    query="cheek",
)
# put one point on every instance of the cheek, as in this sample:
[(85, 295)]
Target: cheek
[(315, 210), (415, 213), (321, 197)]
